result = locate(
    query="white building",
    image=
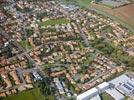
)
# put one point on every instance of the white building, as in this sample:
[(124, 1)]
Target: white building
[(103, 86), (115, 94), (88, 94), (97, 97), (59, 86), (124, 84)]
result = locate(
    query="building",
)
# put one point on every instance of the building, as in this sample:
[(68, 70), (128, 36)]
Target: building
[(104, 86), (37, 76), (59, 86), (97, 97), (115, 94), (88, 94), (124, 84)]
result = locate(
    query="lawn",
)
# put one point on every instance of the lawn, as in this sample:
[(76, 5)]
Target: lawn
[(105, 96), (25, 44), (33, 94), (54, 22), (84, 3)]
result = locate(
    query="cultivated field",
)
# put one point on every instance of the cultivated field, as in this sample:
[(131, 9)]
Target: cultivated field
[(124, 14), (127, 12)]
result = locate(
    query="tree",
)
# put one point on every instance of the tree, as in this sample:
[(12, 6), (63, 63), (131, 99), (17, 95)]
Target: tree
[(45, 87), (118, 55), (1, 80), (1, 98)]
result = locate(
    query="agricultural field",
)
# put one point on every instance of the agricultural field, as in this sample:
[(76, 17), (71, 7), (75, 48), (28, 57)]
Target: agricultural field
[(123, 14), (127, 13)]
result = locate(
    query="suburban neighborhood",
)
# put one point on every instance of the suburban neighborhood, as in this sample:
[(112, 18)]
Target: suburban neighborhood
[(65, 50)]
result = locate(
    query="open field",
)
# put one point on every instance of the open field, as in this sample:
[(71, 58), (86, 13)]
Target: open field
[(54, 22), (127, 12), (33, 94), (82, 3), (124, 14)]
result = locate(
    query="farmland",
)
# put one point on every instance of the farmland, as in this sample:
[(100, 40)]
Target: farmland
[(123, 14), (127, 13)]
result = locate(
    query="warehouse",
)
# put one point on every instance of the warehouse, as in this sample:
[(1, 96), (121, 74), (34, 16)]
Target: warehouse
[(115, 94)]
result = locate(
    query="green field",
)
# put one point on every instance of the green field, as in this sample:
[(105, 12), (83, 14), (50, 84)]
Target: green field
[(84, 3), (54, 22), (33, 94), (105, 96)]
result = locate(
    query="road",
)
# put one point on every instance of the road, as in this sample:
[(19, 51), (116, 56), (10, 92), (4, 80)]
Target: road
[(20, 72), (82, 34)]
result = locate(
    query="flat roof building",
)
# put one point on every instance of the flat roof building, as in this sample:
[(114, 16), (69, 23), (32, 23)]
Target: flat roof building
[(124, 84), (97, 97), (88, 94), (115, 94), (103, 86)]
